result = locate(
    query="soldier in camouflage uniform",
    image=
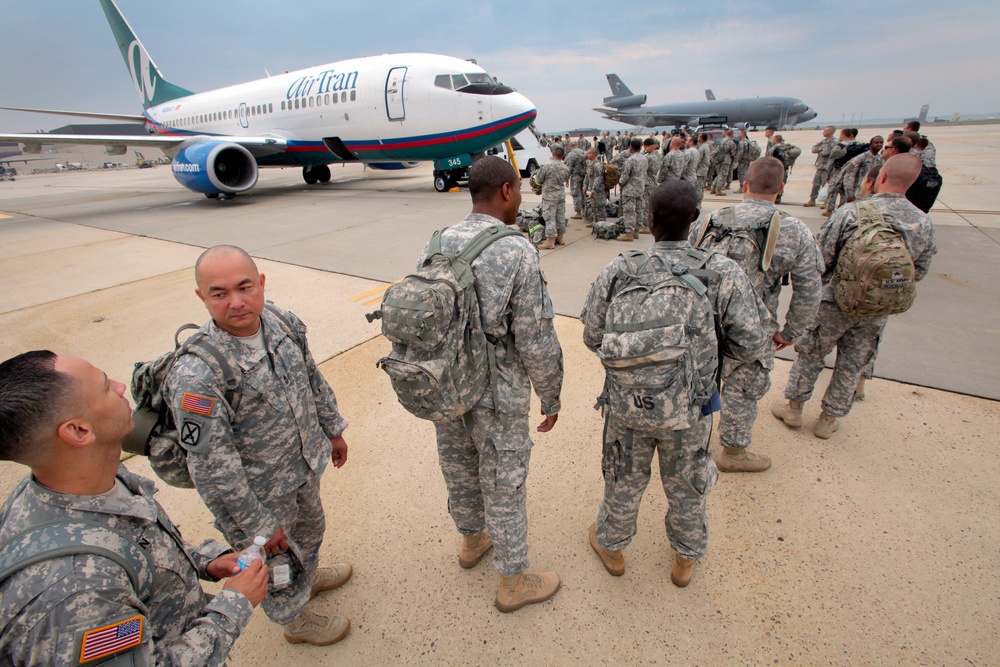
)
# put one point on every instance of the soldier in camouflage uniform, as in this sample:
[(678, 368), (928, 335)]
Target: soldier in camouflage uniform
[(857, 168), (66, 420), (633, 185), (705, 150), (836, 189), (576, 161), (928, 155), (484, 456), (855, 338), (553, 176), (258, 469), (595, 191), (674, 162), (796, 255), (769, 135), (687, 484), (724, 156), (692, 157), (652, 157), (822, 149), (745, 154)]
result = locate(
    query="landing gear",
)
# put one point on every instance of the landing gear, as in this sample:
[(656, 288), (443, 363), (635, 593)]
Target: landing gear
[(212, 195), (442, 181), (317, 174)]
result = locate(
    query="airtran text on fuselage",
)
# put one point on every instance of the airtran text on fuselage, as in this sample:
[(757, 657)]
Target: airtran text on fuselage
[(326, 81), (185, 168)]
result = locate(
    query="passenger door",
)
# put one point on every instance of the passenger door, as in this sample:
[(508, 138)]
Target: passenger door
[(394, 107)]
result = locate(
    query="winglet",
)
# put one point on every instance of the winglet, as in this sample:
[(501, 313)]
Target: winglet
[(149, 83)]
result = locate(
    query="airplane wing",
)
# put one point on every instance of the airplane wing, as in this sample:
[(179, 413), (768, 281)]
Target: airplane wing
[(120, 118), (258, 146)]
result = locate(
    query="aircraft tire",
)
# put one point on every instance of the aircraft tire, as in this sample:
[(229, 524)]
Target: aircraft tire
[(212, 195), (309, 175), (441, 182), (322, 173)]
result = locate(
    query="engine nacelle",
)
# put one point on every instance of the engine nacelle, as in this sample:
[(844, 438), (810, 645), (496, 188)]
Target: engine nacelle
[(625, 102), (215, 167), (393, 166)]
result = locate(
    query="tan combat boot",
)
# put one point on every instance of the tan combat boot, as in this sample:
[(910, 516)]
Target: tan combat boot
[(682, 571), (328, 578), (810, 203), (721, 193), (790, 413), (860, 393), (614, 561), (547, 244), (576, 216), (826, 214), (316, 629), (559, 240), (627, 236), (525, 588), (739, 459), (826, 426), (473, 548)]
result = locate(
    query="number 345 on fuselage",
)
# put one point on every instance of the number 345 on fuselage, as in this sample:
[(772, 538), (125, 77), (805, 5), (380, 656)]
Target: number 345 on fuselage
[(394, 108)]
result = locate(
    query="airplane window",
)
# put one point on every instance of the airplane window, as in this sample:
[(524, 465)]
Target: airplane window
[(479, 78), (354, 95), (343, 96), (326, 98), (282, 106), (260, 109), (335, 98), (319, 100), (458, 81), (310, 101), (270, 108), (443, 81), (296, 103)]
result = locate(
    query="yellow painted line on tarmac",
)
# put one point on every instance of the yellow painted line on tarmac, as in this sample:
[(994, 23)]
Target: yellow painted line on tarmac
[(377, 290), (377, 299), (4, 215)]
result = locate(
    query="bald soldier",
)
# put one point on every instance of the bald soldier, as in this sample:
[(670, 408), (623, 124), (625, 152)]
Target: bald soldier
[(137, 601), (258, 466)]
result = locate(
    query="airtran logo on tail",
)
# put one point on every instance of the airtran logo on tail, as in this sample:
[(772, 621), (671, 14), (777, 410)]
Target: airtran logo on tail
[(143, 71), (327, 81)]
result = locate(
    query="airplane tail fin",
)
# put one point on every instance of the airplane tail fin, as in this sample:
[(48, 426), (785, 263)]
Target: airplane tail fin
[(618, 87), (709, 95), (149, 83), (923, 113)]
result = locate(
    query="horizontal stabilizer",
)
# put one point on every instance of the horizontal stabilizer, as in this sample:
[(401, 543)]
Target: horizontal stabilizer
[(118, 118)]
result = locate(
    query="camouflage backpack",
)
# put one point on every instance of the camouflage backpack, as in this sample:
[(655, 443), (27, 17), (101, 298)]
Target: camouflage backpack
[(752, 248), (612, 175), (532, 224), (608, 229), (753, 151), (441, 358), (875, 273), (656, 311), (156, 434)]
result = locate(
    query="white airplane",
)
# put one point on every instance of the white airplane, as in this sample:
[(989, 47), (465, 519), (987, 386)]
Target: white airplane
[(386, 111)]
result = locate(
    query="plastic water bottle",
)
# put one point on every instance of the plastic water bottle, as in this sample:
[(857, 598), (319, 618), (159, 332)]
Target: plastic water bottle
[(253, 552)]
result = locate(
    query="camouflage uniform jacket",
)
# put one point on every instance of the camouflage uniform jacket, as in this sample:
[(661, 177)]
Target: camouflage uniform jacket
[(742, 151), (594, 179), (576, 161), (619, 159), (692, 163), (856, 170), (633, 178), (822, 149), (796, 254), (84, 592), (725, 152), (672, 167), (838, 151), (914, 226), (552, 177), (741, 313), (514, 303), (280, 434), (928, 156), (706, 150), (652, 170)]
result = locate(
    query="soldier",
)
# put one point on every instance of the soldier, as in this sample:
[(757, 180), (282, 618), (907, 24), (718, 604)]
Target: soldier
[(65, 419), (769, 135), (552, 177), (744, 156), (928, 155), (856, 338), (724, 156), (858, 167), (692, 158), (797, 255), (822, 149), (674, 162), (576, 161), (688, 475), (609, 146), (484, 456), (705, 151), (783, 152), (258, 467), (838, 153), (652, 157), (595, 191), (583, 143), (543, 140), (623, 142), (633, 185)]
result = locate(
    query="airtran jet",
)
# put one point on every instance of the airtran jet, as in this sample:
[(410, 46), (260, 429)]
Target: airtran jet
[(386, 111)]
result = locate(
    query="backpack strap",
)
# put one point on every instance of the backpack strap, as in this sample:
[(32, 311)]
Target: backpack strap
[(434, 245), (483, 240), (290, 328), (202, 346)]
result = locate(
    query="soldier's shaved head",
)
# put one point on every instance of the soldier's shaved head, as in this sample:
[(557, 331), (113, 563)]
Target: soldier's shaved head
[(912, 136), (673, 206), (634, 144), (573, 143), (221, 251), (488, 175), (765, 176), (557, 151), (913, 125), (899, 172)]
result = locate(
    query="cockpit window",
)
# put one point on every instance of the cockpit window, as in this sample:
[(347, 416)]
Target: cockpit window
[(458, 81), (443, 81), (480, 77), (474, 83)]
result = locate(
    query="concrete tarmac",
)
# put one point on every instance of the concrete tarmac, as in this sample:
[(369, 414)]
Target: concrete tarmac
[(876, 547)]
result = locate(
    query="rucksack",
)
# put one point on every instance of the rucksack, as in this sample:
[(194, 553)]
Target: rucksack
[(752, 248), (155, 434), (608, 229), (612, 175), (875, 273), (754, 150), (924, 191), (655, 312), (853, 150), (441, 357)]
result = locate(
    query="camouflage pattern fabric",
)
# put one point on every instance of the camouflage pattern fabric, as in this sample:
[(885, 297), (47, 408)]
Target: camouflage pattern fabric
[(822, 149), (85, 592), (576, 162), (836, 177), (856, 170), (552, 177), (724, 156), (673, 166), (256, 468), (596, 206), (485, 469), (928, 156), (692, 158)]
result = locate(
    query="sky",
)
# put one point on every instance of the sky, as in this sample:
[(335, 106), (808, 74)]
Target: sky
[(880, 59)]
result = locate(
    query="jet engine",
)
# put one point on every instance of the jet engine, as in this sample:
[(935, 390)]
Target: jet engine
[(215, 167), (624, 102)]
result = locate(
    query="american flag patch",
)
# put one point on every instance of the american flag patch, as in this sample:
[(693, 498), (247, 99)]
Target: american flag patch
[(110, 639), (200, 405)]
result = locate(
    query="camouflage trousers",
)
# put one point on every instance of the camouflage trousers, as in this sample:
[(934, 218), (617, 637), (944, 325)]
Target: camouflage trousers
[(836, 190), (486, 481), (554, 213), (818, 180), (627, 473), (596, 207), (631, 211), (699, 187), (576, 189), (300, 513), (856, 340), (724, 176), (741, 172), (742, 389)]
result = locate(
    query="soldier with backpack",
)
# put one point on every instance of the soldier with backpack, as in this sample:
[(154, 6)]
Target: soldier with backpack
[(258, 465), (772, 252), (874, 251), (479, 402), (91, 567), (653, 318), (595, 189)]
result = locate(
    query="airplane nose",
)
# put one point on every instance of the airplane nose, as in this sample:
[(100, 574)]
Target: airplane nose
[(512, 110), (809, 114)]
